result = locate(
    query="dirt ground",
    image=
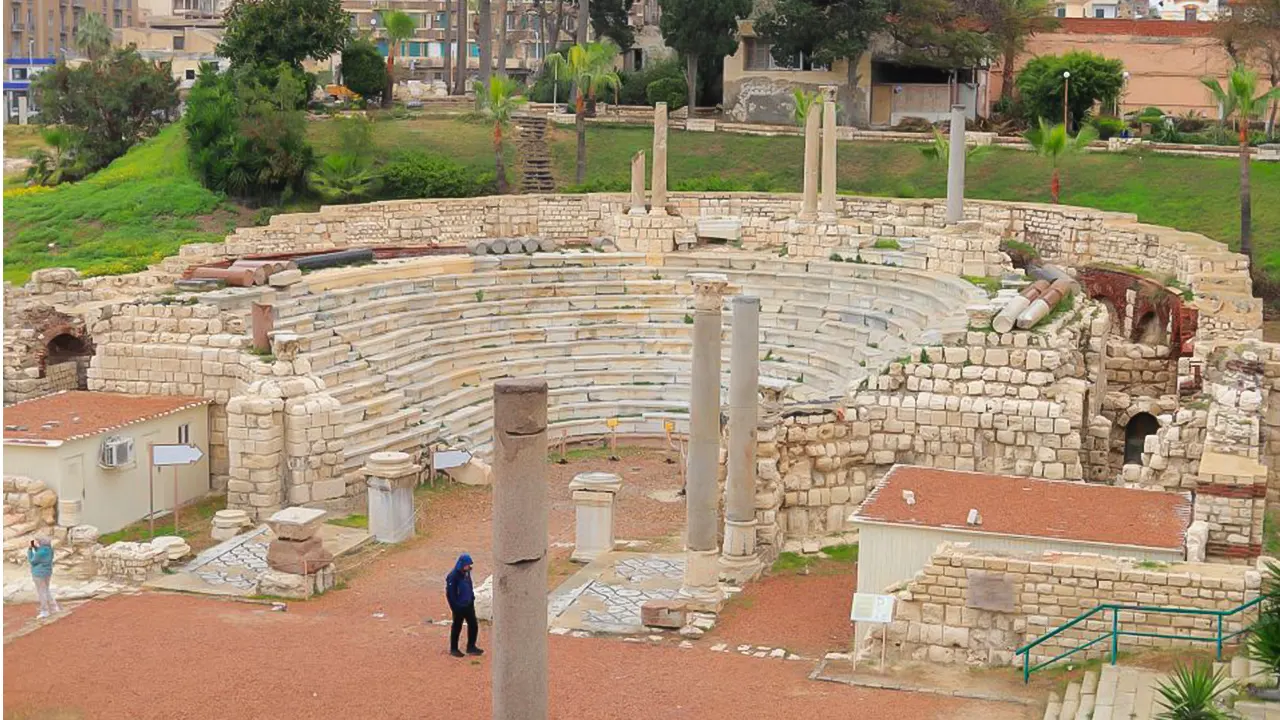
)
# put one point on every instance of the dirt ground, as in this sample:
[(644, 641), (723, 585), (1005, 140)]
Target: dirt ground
[(370, 650)]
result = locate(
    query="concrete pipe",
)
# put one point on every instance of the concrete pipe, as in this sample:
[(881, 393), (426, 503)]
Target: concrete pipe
[(498, 246), (236, 278), (530, 245), (548, 245), (1044, 304), (478, 247), (1005, 320)]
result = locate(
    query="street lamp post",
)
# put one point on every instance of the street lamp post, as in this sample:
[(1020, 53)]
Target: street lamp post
[(1124, 88), (1066, 90)]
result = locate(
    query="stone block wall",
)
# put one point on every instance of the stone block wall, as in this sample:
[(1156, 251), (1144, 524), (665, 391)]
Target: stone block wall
[(1140, 370), (941, 616), (131, 561)]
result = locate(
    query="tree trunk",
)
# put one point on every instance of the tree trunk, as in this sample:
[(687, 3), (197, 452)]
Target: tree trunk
[(580, 124), (391, 75), (460, 83), (557, 21), (484, 8), (1055, 186), (1246, 210), (691, 79), (1006, 75), (584, 19), (448, 56), (502, 38), (498, 159)]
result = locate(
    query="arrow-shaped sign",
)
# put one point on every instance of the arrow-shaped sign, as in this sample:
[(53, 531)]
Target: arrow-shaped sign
[(165, 455)]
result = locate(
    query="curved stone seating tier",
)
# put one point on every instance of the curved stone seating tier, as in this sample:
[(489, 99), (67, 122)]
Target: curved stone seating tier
[(413, 361)]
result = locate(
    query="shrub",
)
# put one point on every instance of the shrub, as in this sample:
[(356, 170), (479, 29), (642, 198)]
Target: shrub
[(1093, 79), (364, 71), (600, 185), (635, 85), (1192, 692), (1022, 255), (112, 103), (247, 138), (1108, 127), (423, 175), (675, 93)]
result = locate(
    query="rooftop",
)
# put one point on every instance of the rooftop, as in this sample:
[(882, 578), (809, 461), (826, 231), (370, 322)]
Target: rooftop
[(1028, 507), (54, 419)]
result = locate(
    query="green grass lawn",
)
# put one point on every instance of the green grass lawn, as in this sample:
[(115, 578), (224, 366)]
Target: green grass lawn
[(134, 212), (146, 204)]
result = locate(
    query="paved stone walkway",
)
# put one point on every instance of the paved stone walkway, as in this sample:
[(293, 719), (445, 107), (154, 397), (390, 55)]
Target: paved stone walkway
[(606, 595)]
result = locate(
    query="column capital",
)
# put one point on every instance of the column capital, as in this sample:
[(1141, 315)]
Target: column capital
[(708, 290)]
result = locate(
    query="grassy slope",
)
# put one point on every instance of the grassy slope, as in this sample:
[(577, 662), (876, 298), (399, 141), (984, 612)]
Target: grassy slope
[(134, 212), (146, 204)]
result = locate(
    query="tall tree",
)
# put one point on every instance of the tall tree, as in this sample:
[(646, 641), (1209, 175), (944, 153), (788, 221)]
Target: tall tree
[(947, 34), (363, 70), (400, 27), (612, 19), (484, 9), (502, 38), (93, 37), (1250, 32), (460, 83), (584, 19), (590, 67), (1011, 23), (826, 31), (499, 103), (448, 56), (1240, 101), (698, 28), (269, 32)]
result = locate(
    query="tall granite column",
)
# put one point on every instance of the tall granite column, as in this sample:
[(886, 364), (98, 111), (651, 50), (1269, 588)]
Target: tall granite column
[(827, 205), (701, 573), (658, 204), (637, 184), (520, 549), (738, 561), (809, 204), (955, 167)]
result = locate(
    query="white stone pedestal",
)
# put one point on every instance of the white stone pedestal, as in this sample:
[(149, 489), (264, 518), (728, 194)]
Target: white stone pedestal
[(391, 477), (593, 494)]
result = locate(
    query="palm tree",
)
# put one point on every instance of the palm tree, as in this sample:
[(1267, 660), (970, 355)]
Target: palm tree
[(500, 101), (802, 103), (1053, 142), (93, 37), (1237, 101), (940, 148), (1010, 23), (590, 67), (400, 27)]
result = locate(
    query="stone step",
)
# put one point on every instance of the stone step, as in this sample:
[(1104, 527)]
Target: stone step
[(360, 433), (410, 440), (369, 408), (1070, 702)]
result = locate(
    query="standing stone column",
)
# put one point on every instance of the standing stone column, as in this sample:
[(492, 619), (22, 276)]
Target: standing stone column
[(637, 184), (520, 549), (701, 573), (955, 167), (809, 204), (828, 203), (738, 561), (391, 477), (658, 204)]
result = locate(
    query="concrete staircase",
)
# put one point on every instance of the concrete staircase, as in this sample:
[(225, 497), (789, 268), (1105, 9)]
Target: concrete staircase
[(1128, 693)]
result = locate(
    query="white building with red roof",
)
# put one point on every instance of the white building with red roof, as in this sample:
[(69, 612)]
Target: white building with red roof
[(92, 449)]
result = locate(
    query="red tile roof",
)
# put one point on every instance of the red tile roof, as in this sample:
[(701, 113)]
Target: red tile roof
[(1023, 506), (1142, 28), (76, 414)]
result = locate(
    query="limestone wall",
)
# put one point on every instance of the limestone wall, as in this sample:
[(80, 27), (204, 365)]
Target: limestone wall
[(968, 606)]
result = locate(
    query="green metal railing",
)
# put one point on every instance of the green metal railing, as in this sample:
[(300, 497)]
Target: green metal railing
[(1117, 631)]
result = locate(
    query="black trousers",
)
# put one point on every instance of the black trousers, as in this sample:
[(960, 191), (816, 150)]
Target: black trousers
[(467, 613)]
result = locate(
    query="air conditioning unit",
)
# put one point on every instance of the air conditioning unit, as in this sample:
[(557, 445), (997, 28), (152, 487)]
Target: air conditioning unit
[(117, 452)]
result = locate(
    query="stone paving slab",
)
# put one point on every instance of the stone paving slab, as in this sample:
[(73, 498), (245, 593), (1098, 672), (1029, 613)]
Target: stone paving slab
[(606, 595), (232, 567), (949, 681)]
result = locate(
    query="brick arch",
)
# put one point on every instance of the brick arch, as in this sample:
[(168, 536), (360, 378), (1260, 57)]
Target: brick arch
[(51, 334)]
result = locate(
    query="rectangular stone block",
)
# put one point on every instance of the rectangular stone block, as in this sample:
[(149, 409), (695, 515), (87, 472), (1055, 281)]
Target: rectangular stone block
[(663, 614)]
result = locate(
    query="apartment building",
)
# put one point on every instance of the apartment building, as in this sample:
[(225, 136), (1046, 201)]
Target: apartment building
[(47, 28), (528, 35)]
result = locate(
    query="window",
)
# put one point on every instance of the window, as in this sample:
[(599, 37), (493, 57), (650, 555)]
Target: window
[(511, 21), (441, 21), (1061, 12), (1099, 12), (759, 57), (17, 73), (191, 75), (184, 430), (1189, 13), (117, 18), (179, 42)]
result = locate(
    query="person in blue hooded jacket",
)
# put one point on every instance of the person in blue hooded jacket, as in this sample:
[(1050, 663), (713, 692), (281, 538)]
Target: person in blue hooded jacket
[(462, 601), (40, 558)]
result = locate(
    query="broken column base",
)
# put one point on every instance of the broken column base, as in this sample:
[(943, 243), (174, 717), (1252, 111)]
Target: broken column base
[(701, 588), (296, 587), (740, 563), (740, 570)]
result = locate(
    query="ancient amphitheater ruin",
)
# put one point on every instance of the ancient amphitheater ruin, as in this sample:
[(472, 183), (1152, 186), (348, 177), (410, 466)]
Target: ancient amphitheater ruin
[(878, 331)]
